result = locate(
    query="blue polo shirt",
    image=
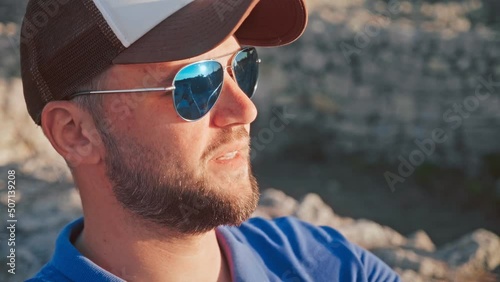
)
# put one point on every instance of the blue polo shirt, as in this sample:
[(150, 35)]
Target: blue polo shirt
[(283, 249)]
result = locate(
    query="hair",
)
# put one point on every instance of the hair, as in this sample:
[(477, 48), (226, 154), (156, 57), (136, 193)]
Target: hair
[(92, 103)]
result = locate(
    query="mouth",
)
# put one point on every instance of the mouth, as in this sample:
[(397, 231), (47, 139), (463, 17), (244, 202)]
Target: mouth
[(230, 162), (228, 156), (233, 156)]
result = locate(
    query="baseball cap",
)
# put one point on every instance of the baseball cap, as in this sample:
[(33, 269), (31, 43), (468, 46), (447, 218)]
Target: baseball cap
[(64, 43)]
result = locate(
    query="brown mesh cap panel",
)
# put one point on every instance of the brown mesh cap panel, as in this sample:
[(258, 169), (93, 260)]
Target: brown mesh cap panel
[(73, 46)]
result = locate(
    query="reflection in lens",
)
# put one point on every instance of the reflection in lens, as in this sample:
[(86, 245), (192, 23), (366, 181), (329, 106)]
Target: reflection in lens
[(246, 70), (197, 88)]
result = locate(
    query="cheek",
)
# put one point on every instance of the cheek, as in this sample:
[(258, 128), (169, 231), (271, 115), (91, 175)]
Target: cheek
[(181, 142), (187, 140), (155, 124)]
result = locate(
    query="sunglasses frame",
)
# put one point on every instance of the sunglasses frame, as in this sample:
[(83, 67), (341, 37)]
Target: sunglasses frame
[(172, 88)]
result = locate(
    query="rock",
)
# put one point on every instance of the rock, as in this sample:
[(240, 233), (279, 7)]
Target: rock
[(408, 259), (420, 241), (479, 250), (312, 209), (42, 244), (22, 142), (55, 208), (408, 275), (274, 203), (312, 60), (370, 235), (476, 276), (26, 263)]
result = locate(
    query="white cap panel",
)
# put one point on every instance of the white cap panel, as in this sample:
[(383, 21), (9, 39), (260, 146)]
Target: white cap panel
[(131, 19)]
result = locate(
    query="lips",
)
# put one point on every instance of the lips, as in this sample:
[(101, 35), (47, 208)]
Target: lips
[(227, 156), (230, 152)]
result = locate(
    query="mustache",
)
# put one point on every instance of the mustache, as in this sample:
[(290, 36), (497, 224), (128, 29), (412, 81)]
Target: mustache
[(226, 137)]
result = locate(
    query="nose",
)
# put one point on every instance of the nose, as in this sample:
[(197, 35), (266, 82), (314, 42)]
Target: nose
[(233, 107)]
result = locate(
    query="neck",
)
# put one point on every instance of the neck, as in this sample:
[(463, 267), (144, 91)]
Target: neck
[(136, 251)]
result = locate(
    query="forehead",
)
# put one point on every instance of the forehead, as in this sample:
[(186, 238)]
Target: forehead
[(156, 74)]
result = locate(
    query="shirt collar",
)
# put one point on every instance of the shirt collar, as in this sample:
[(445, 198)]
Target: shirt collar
[(70, 262), (244, 264)]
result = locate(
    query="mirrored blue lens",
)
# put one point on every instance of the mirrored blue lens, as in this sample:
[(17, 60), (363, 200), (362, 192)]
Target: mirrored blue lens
[(197, 88), (245, 67)]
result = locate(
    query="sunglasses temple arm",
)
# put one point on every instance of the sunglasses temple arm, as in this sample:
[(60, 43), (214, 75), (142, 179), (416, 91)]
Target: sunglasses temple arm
[(171, 88)]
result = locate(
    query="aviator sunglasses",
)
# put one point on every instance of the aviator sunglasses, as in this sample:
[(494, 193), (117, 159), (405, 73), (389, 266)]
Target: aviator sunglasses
[(196, 87)]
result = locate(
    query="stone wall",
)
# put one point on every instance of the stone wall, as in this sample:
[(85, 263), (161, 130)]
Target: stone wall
[(369, 79)]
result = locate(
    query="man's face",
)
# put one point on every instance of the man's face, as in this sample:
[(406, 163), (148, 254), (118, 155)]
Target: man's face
[(188, 176)]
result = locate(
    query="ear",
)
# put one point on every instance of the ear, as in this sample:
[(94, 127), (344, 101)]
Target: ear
[(72, 133)]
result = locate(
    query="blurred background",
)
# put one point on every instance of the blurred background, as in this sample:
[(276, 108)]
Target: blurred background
[(389, 111), (363, 86)]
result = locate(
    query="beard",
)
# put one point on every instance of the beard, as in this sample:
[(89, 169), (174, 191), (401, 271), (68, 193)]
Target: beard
[(160, 188)]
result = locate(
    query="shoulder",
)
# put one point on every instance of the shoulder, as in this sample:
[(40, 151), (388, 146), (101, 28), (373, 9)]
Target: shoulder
[(319, 251), (290, 230)]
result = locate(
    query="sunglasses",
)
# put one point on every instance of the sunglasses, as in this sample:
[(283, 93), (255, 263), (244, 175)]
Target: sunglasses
[(196, 87)]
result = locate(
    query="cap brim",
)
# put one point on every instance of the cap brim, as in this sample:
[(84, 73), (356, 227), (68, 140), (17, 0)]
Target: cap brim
[(202, 25)]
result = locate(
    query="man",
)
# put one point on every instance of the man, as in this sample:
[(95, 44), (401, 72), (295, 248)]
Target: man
[(149, 104)]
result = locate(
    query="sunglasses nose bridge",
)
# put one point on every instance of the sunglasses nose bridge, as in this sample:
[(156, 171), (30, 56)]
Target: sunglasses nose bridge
[(229, 71)]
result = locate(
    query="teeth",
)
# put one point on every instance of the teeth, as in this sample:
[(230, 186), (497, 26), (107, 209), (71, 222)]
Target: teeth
[(228, 156)]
